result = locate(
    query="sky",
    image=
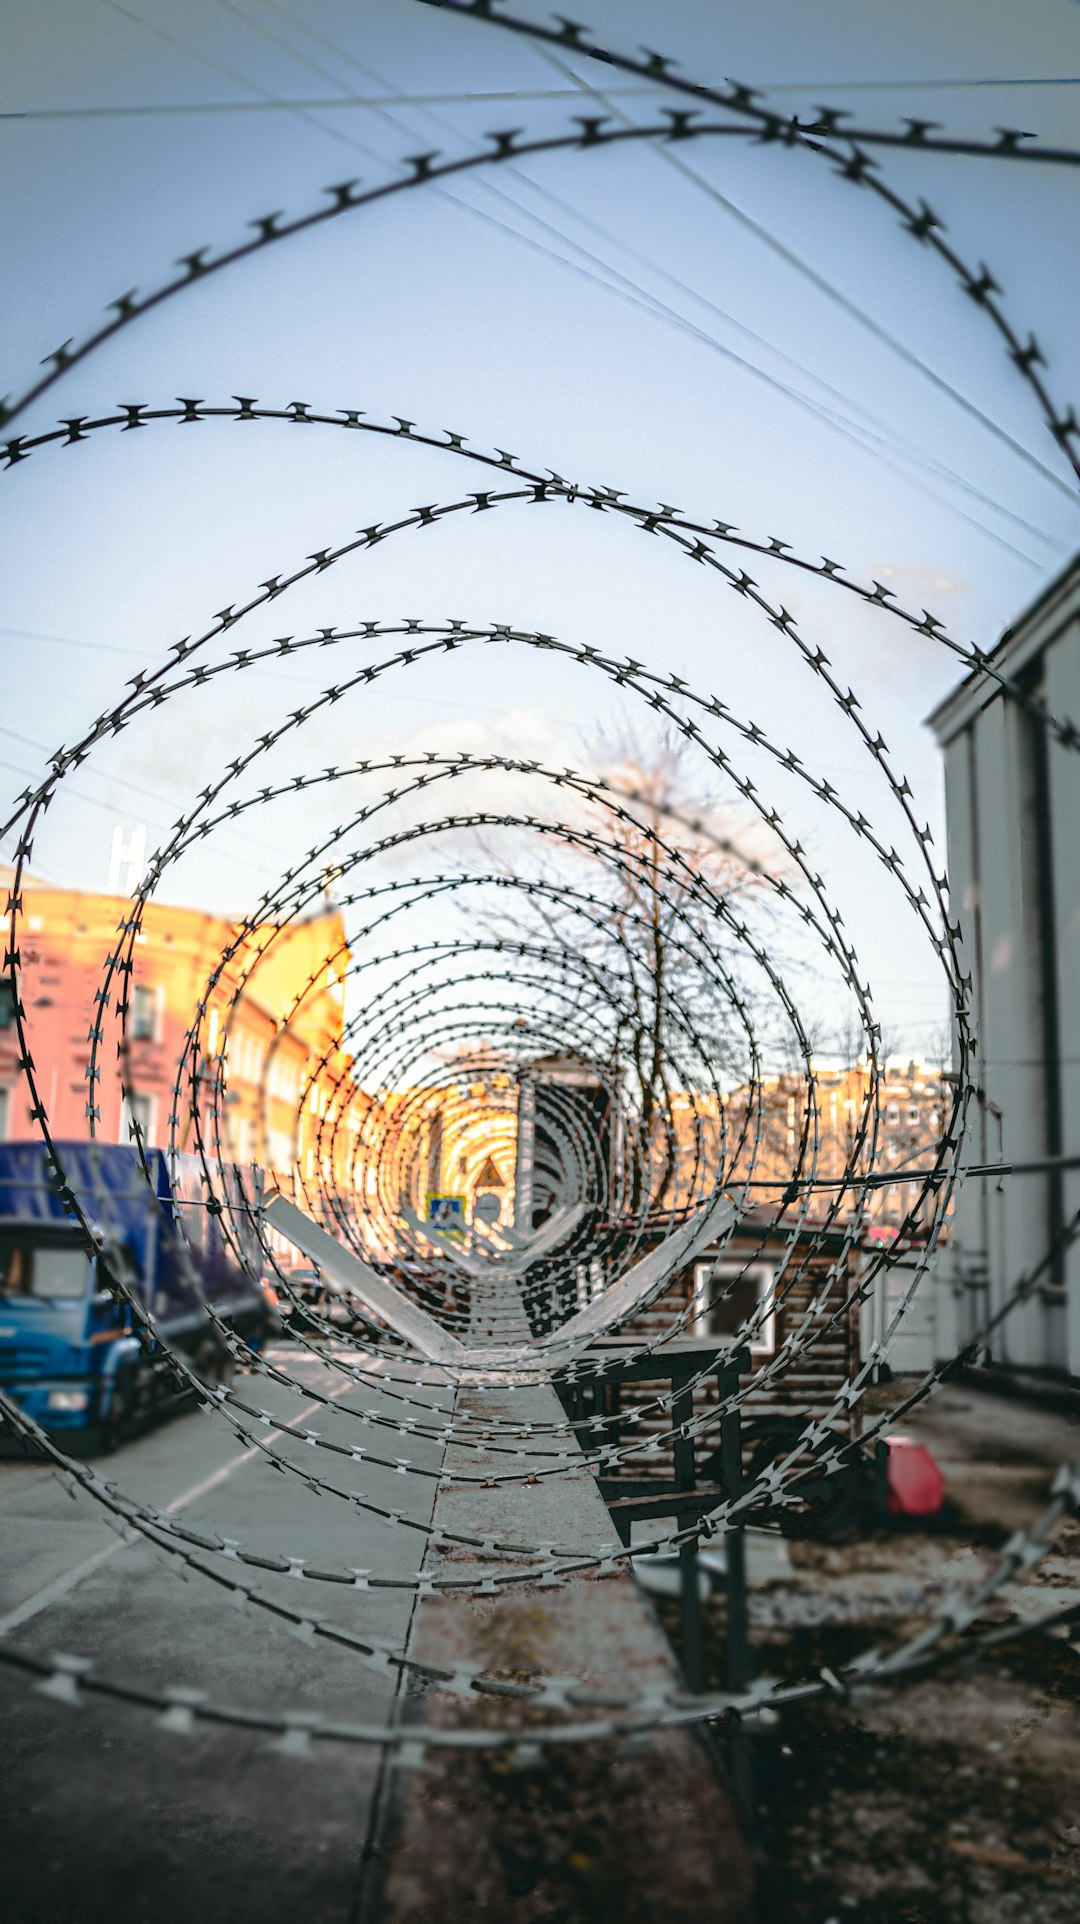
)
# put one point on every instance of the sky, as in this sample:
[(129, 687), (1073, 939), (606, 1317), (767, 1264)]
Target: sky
[(623, 317)]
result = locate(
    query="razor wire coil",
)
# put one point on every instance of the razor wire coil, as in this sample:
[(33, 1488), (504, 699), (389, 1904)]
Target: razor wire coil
[(572, 1001)]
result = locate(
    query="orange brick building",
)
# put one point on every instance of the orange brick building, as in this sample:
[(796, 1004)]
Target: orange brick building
[(265, 1048)]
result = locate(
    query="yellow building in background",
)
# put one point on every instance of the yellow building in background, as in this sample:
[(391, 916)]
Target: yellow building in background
[(271, 1031), (763, 1129)]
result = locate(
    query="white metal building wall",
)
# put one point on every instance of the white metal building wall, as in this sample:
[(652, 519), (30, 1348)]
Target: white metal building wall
[(1014, 867)]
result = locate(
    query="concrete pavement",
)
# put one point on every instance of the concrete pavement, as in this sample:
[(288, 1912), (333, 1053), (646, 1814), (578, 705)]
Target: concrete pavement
[(616, 1832), (105, 1816)]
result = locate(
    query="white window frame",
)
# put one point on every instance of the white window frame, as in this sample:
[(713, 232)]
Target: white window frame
[(709, 1277), (149, 1133), (156, 994)]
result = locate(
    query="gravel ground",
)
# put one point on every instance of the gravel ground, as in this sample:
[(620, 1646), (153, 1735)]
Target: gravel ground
[(955, 1800)]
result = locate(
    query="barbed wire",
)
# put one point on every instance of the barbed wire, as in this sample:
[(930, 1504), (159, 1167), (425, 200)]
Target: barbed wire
[(571, 999), (573, 37)]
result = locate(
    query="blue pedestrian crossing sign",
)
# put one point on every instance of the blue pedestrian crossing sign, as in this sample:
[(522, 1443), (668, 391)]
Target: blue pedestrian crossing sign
[(446, 1212)]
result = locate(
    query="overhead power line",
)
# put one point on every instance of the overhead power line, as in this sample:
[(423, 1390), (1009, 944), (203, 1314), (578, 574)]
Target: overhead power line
[(920, 86), (311, 103), (627, 288), (293, 104), (604, 97), (621, 286)]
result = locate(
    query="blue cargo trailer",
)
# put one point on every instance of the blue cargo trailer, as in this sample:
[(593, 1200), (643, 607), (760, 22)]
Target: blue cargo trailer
[(69, 1353)]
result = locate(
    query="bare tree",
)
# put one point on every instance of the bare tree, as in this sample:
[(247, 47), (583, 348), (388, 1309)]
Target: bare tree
[(660, 939)]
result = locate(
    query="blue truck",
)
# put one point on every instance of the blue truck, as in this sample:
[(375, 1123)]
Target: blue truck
[(69, 1354)]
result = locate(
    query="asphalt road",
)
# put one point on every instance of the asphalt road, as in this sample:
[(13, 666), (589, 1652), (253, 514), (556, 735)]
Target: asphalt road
[(104, 1815)]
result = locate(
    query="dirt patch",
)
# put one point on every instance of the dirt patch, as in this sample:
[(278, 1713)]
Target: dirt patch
[(953, 1801), (572, 1839)]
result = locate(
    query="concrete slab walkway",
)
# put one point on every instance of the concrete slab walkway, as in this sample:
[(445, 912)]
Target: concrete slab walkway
[(631, 1833)]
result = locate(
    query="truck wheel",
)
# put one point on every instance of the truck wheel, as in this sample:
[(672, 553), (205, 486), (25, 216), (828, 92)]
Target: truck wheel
[(116, 1414), (213, 1362)]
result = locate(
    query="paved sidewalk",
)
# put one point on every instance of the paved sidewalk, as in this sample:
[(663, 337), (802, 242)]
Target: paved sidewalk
[(104, 1817), (597, 1834)]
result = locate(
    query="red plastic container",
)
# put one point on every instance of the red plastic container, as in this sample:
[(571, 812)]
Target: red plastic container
[(916, 1486)]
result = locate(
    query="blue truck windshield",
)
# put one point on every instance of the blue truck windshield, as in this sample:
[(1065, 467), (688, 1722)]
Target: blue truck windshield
[(50, 1275)]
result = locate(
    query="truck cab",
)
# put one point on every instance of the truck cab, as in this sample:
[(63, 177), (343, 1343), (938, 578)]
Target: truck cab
[(69, 1352), (56, 1324)]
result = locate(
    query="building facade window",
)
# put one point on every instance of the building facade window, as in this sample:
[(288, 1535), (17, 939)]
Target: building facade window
[(145, 1006), (743, 1290), (141, 1111)]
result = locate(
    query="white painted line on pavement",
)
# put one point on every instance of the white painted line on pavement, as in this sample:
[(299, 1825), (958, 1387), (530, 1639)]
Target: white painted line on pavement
[(61, 1585), (58, 1588), (219, 1476)]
